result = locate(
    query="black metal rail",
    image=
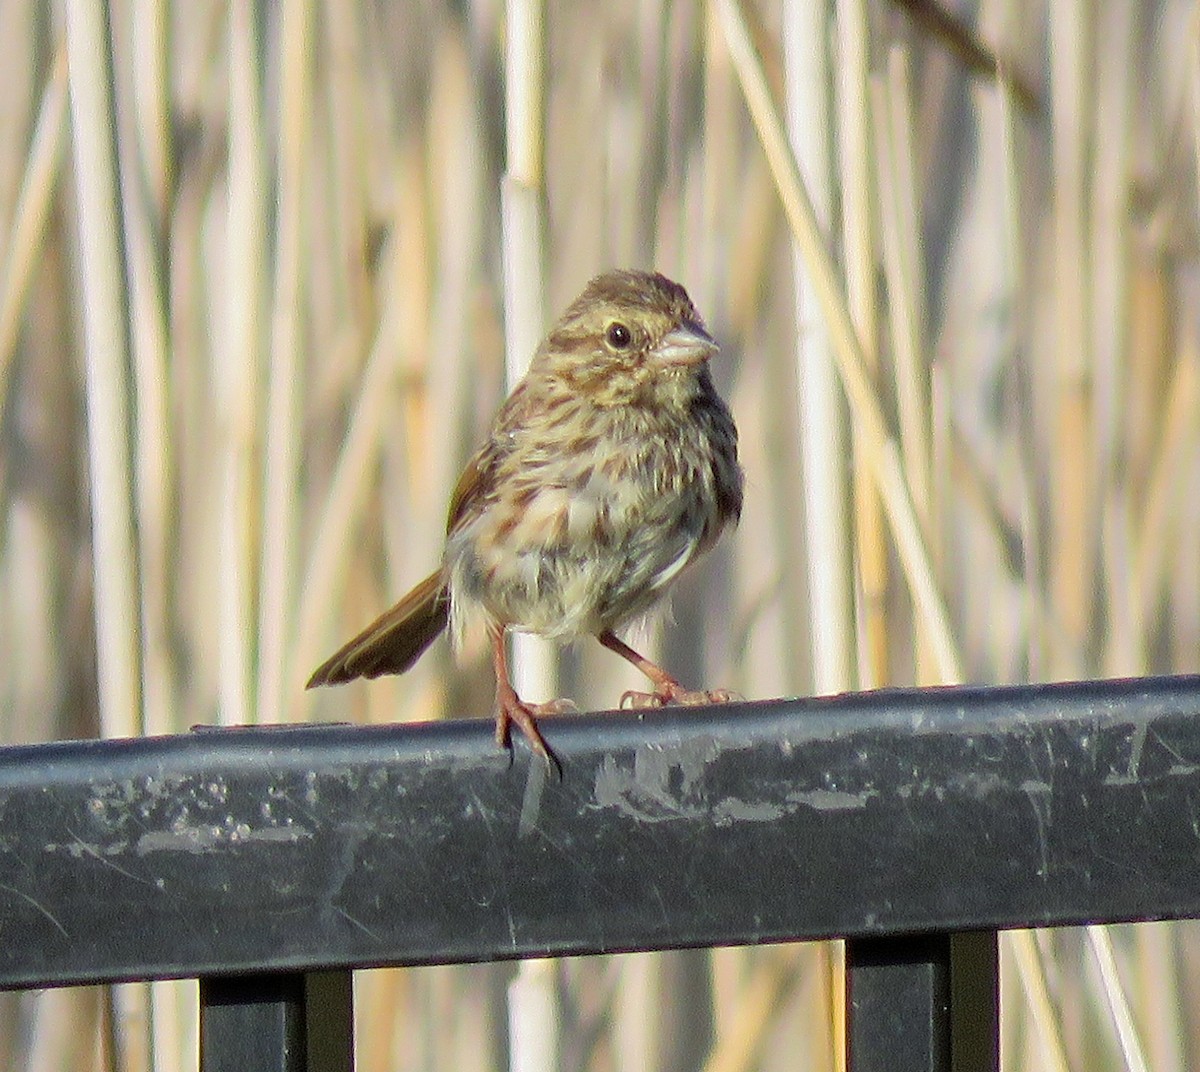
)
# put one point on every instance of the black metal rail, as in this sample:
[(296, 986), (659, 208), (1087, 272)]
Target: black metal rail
[(914, 823)]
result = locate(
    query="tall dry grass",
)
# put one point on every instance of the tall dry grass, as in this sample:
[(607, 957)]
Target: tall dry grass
[(259, 267)]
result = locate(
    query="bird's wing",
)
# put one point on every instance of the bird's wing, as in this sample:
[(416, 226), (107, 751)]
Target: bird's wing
[(471, 486), (478, 481)]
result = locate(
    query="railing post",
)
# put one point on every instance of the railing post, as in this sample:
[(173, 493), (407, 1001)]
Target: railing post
[(898, 1004), (293, 1022), (929, 1003), (975, 1002)]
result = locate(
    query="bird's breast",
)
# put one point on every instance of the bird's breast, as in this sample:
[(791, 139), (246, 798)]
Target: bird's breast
[(576, 541)]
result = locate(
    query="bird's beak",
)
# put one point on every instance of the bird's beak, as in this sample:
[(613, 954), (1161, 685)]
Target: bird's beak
[(688, 344)]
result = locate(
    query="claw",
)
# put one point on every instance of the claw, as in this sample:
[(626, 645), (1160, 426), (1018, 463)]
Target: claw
[(667, 690), (511, 710), (633, 700), (671, 692)]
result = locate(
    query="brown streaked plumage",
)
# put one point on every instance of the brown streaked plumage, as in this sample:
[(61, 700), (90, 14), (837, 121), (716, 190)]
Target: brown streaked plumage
[(609, 470)]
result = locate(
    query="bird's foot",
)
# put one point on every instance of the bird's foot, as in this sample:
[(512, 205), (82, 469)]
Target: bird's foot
[(666, 689), (511, 711)]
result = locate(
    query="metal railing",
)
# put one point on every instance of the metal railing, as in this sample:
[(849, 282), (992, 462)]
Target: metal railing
[(271, 862)]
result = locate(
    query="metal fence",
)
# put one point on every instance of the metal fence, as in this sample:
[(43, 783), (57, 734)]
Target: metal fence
[(271, 862)]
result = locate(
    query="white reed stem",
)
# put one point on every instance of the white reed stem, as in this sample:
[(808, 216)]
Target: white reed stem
[(534, 1021), (106, 364), (822, 420)]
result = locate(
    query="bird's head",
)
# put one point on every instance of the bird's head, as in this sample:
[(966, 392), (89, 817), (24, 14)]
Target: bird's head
[(630, 334)]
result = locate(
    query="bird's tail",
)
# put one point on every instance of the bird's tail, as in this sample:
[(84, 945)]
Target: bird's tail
[(394, 641)]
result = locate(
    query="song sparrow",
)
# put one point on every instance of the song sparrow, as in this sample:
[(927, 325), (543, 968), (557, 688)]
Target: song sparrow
[(609, 470)]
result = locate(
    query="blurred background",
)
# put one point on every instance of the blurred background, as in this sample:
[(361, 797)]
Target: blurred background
[(262, 264)]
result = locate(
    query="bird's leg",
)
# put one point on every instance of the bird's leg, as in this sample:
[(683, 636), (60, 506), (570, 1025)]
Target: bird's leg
[(510, 708), (666, 688)]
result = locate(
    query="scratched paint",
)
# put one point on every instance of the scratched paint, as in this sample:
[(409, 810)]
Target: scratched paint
[(663, 786)]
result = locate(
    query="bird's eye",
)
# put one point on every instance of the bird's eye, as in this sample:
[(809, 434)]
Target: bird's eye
[(618, 335)]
